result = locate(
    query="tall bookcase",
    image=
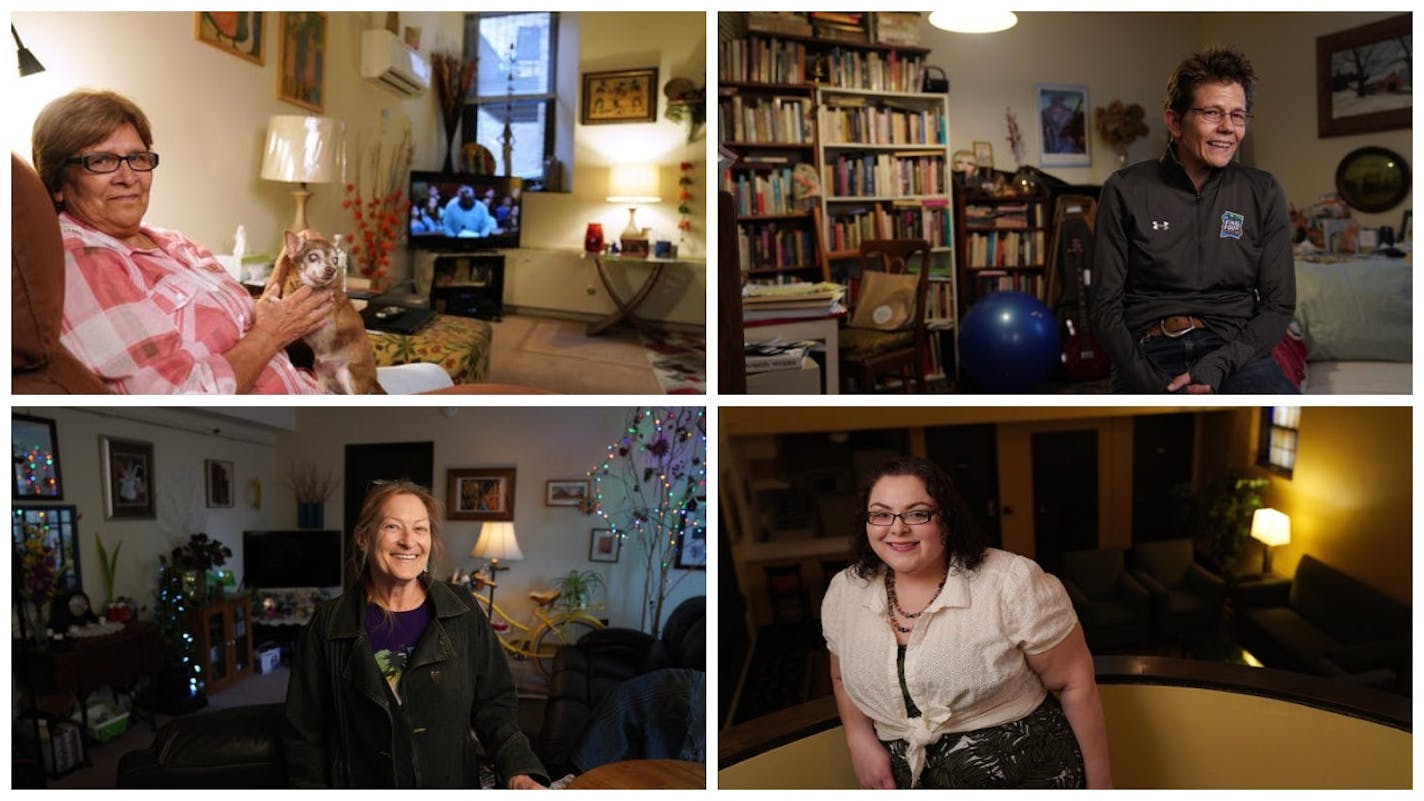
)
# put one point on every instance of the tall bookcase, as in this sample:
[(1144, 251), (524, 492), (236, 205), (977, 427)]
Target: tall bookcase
[(1004, 243)]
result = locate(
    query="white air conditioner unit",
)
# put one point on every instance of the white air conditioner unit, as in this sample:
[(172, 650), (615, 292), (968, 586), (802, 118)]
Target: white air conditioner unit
[(386, 60)]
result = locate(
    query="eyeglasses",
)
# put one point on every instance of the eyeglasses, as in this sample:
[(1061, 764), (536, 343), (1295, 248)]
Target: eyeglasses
[(1214, 116), (103, 163), (914, 517)]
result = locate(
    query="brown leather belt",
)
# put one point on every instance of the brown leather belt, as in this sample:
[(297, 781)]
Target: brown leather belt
[(1173, 327)]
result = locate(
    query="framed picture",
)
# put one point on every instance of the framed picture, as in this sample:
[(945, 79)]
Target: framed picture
[(604, 545), (54, 527), (620, 96), (566, 492), (301, 67), (235, 32), (128, 478), (1363, 78), (692, 547), (218, 478), (984, 155), (34, 450), (1062, 124), (484, 493)]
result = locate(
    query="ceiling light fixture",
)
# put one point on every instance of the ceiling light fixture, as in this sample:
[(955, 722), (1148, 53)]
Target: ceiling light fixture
[(972, 21)]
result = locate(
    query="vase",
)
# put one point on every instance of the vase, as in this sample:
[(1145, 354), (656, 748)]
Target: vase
[(593, 238), (33, 619), (449, 150), (310, 515)]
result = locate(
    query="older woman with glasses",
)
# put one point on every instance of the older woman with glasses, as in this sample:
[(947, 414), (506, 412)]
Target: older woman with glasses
[(955, 665), (149, 310)]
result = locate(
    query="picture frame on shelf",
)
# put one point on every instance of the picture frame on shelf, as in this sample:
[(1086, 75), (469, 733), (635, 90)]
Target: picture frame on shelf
[(1358, 88), (237, 33), (984, 155), (566, 492), (302, 59), (620, 96), (34, 449), (129, 478), (218, 480), (1063, 132), (485, 493), (604, 545)]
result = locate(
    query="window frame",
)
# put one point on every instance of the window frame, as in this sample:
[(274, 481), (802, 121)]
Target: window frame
[(469, 125), (1265, 448)]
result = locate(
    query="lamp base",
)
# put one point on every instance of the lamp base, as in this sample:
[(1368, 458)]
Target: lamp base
[(301, 195)]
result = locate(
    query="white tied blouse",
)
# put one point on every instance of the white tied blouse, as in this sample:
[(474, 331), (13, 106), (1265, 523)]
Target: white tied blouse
[(964, 664)]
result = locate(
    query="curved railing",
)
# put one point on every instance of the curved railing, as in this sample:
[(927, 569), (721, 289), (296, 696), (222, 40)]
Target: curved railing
[(1172, 724)]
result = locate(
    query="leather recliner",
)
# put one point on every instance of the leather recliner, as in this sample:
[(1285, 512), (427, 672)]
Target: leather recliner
[(232, 748)]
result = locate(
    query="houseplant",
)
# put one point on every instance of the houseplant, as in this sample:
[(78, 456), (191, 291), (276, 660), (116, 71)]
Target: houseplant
[(1120, 125), (193, 560), (108, 563), (577, 589), (1221, 517)]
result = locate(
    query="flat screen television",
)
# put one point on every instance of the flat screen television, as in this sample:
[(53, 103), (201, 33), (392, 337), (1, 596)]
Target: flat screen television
[(292, 559), (456, 212)]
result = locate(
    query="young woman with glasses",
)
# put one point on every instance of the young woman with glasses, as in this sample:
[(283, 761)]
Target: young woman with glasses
[(955, 665)]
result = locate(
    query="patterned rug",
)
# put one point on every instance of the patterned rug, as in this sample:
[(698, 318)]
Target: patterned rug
[(679, 362)]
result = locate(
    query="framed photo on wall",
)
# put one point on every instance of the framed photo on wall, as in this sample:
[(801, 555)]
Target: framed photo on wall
[(1062, 124), (484, 493), (620, 96), (235, 32), (34, 451), (218, 479), (1363, 78), (301, 66), (128, 478), (692, 547), (604, 545), (566, 492)]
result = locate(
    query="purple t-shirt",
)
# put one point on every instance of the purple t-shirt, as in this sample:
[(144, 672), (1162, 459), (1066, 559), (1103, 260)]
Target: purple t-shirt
[(394, 640)]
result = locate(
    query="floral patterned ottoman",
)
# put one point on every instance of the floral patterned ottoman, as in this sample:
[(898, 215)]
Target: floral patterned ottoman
[(461, 345)]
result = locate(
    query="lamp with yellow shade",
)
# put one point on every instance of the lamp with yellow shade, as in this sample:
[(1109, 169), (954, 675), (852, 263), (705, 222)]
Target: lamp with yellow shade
[(633, 184), (1270, 528)]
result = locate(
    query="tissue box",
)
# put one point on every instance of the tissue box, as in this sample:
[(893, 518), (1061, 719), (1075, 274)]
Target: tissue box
[(269, 658)]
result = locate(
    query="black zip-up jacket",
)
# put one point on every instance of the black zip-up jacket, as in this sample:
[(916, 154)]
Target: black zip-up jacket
[(345, 729), (1223, 254)]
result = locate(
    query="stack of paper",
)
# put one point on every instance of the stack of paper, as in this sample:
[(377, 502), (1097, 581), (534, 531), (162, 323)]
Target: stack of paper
[(792, 301)]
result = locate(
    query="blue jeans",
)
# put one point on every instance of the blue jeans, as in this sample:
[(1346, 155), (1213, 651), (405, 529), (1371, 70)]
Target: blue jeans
[(1173, 357)]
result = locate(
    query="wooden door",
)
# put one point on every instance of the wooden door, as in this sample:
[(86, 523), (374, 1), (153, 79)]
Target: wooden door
[(1065, 494)]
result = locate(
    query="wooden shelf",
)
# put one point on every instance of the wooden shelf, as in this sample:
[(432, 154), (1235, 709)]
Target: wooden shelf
[(800, 215)]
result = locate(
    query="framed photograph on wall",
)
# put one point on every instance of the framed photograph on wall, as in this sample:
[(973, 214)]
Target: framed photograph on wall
[(692, 543), (34, 451), (128, 478), (481, 493), (566, 492), (301, 65), (235, 32), (218, 478), (1062, 124), (1363, 78), (620, 96), (604, 545)]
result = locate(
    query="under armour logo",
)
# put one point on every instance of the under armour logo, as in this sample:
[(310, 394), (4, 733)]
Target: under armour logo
[(1159, 225)]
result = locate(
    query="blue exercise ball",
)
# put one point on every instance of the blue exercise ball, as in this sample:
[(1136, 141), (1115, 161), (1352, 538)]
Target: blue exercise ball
[(1008, 342)]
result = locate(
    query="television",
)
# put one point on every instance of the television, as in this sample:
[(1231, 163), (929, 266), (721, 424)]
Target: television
[(452, 211), (292, 559)]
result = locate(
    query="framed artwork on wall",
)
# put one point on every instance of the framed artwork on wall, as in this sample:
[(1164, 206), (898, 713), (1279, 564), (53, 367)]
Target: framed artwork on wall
[(620, 96), (34, 451), (235, 32), (1364, 79), (692, 540), (218, 480), (128, 478), (483, 493), (1062, 124), (604, 545), (566, 492), (301, 67)]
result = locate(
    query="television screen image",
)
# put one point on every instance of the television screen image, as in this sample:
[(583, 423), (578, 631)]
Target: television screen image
[(293, 559), (457, 212)]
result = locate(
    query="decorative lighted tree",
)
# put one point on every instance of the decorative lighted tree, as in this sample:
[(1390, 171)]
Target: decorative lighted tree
[(649, 489)]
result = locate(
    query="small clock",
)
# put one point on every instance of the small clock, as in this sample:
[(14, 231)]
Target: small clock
[(73, 609)]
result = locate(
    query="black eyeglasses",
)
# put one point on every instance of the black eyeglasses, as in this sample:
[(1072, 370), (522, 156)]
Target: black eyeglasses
[(1214, 116), (103, 163), (914, 517)]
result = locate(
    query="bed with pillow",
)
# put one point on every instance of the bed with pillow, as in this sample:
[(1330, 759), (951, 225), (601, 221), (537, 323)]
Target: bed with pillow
[(1357, 318)]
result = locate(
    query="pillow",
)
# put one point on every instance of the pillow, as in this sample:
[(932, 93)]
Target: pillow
[(1360, 311), (886, 302)]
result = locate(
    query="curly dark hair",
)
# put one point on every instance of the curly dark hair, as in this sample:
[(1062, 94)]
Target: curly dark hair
[(1212, 65), (964, 543)]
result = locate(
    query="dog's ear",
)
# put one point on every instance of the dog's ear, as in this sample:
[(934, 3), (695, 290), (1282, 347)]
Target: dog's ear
[(293, 242)]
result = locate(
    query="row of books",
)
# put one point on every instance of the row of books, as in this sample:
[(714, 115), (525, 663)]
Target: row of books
[(885, 174), (758, 59), (765, 119), (762, 194), (775, 245), (882, 125), (1006, 249), (939, 306), (931, 220), (847, 68), (996, 281), (1005, 215)]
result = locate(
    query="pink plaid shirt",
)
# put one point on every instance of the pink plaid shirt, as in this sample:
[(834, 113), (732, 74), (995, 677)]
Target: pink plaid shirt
[(158, 321)]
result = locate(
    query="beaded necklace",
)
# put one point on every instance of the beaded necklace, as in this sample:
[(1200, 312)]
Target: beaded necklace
[(895, 601)]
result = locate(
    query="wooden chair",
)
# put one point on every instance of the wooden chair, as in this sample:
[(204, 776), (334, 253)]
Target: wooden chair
[(867, 353)]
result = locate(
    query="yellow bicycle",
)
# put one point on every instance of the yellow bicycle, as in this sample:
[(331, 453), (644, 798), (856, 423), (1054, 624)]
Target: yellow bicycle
[(540, 638)]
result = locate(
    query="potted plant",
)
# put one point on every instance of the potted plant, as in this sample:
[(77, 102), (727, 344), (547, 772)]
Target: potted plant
[(1120, 125), (108, 563), (1222, 518), (311, 487), (193, 560), (577, 589)]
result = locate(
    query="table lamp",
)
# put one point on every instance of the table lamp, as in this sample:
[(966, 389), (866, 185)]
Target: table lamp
[(304, 150), (1271, 528), (633, 184), (496, 542)]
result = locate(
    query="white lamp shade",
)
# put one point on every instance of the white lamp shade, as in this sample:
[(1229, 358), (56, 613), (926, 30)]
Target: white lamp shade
[(966, 19), (497, 542), (633, 183), (1271, 527), (304, 149)]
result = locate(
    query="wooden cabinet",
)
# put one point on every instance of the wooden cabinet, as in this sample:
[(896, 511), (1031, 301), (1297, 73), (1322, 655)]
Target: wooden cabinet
[(463, 284), (222, 632), (1004, 243)]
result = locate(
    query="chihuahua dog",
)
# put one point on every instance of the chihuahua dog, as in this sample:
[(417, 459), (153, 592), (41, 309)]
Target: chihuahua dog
[(344, 361)]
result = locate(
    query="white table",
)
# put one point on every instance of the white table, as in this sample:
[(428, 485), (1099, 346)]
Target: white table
[(823, 329)]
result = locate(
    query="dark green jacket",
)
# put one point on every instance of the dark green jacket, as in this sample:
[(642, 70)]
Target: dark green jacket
[(345, 728)]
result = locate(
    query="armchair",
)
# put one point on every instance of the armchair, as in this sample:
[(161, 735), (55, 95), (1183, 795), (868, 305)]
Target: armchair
[(1114, 608), (1186, 597)]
